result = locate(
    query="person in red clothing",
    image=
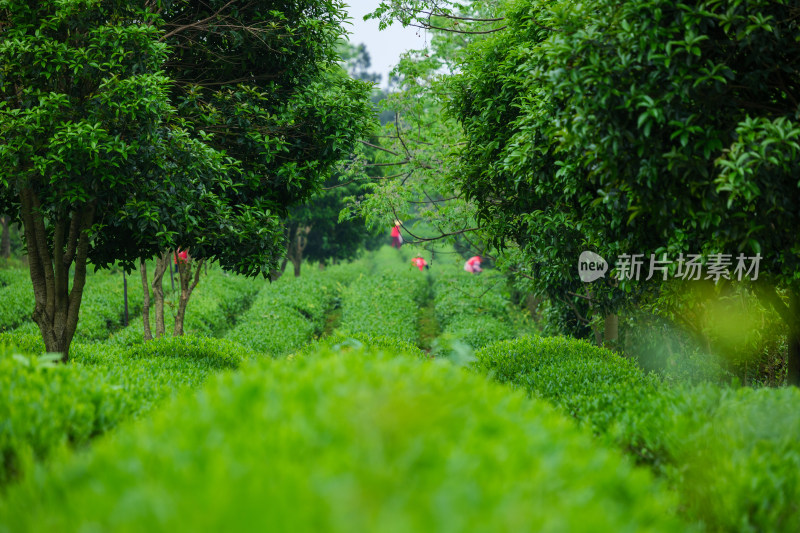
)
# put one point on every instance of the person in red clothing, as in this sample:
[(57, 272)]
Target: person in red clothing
[(397, 239), (473, 264), (182, 256), (420, 263)]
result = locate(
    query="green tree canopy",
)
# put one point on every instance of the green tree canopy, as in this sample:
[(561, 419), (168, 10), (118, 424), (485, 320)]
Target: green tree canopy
[(640, 127), (130, 128)]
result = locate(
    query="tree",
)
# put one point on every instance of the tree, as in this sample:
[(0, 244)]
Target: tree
[(642, 126), (357, 62), (5, 243), (316, 232), (83, 103), (94, 133)]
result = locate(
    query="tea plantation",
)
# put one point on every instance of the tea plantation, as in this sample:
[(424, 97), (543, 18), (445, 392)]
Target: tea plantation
[(370, 396)]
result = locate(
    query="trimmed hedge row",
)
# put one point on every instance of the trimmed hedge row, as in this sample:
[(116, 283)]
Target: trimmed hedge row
[(346, 440), (289, 312), (215, 306), (45, 406), (103, 305), (358, 341), (732, 455), (472, 308), (16, 298), (592, 384), (385, 302)]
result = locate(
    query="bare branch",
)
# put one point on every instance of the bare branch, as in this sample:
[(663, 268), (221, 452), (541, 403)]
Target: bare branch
[(195, 24), (468, 32), (380, 148)]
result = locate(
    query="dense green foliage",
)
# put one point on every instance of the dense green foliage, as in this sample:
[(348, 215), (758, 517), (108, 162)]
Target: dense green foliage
[(373, 396), (637, 127), (346, 441), (17, 297), (385, 302), (733, 455), (286, 314), (358, 341), (473, 308), (217, 302), (133, 128), (633, 127), (48, 405)]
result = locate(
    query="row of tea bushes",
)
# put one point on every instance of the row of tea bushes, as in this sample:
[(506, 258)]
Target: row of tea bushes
[(16, 298), (385, 301), (350, 441), (102, 305), (214, 307), (47, 406), (473, 308), (733, 455), (345, 342), (289, 312), (221, 299)]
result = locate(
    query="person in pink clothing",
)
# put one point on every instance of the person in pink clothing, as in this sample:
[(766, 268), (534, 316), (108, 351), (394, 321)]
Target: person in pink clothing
[(420, 263), (473, 264), (397, 239)]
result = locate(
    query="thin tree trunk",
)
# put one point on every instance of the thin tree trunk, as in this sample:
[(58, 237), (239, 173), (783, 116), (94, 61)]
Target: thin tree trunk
[(188, 282), (125, 298), (5, 243), (791, 317), (532, 303), (158, 291), (610, 330), (297, 247), (148, 335), (793, 355)]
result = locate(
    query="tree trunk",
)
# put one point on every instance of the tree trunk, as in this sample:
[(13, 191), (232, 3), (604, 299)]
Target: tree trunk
[(56, 305), (188, 282), (793, 355), (610, 330), (148, 335), (532, 303), (791, 317), (125, 299), (158, 291), (5, 242), (297, 245)]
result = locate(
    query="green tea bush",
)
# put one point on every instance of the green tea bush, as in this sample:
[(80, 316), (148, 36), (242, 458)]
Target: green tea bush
[(473, 308), (45, 405), (286, 314), (218, 301), (215, 306), (24, 341), (592, 384), (16, 298), (345, 441), (385, 303), (341, 341), (733, 456), (103, 305)]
